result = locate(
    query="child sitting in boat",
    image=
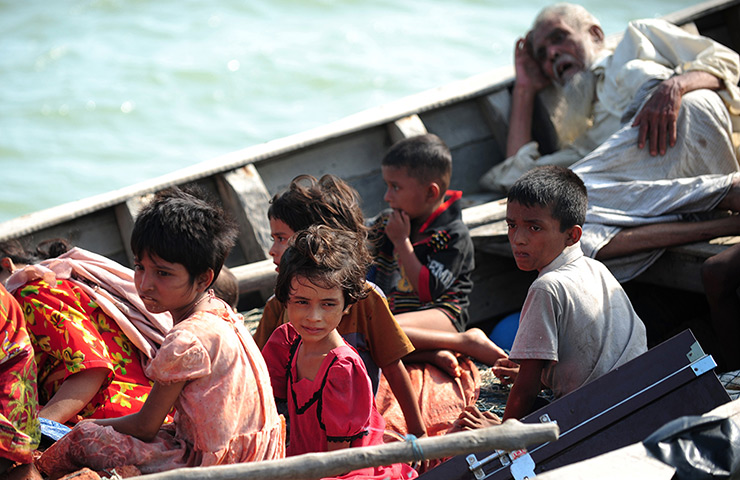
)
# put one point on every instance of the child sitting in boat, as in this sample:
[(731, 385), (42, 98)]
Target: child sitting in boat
[(323, 379), (208, 367), (577, 323), (369, 326), (424, 255)]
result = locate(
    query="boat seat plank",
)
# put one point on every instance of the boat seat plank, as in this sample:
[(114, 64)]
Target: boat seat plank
[(244, 194), (256, 277), (406, 127)]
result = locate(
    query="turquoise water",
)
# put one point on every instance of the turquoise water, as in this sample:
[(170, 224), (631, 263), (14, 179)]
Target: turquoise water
[(100, 94)]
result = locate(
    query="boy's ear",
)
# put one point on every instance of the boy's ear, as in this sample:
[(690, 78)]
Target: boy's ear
[(433, 191), (347, 309), (205, 279), (573, 235)]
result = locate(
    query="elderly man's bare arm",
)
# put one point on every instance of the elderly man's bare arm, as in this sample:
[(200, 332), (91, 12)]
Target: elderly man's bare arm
[(657, 118)]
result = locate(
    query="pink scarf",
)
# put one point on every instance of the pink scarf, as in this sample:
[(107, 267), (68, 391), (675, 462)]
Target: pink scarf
[(111, 285)]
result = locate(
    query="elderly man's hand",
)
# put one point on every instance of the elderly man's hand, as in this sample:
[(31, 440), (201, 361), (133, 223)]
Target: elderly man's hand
[(528, 72), (657, 118)]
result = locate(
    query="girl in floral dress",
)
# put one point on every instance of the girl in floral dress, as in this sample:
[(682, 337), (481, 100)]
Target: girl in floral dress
[(208, 367), (323, 379)]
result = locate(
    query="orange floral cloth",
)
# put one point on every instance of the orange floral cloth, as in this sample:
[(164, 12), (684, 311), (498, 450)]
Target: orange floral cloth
[(71, 333), (19, 425), (225, 414)]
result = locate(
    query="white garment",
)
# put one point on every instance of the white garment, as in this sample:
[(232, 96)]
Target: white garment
[(578, 317), (626, 186), (650, 49)]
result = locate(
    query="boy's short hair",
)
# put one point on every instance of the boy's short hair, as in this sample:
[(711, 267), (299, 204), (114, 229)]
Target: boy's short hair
[(328, 258), (328, 201), (554, 187), (180, 227), (425, 157)]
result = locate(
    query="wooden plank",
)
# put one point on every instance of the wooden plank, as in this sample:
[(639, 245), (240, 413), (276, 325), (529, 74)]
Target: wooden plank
[(126, 213), (255, 277), (355, 158), (406, 127), (484, 214), (245, 196), (511, 434), (496, 109)]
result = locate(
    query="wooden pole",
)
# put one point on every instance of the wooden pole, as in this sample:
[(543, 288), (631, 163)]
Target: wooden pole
[(512, 435)]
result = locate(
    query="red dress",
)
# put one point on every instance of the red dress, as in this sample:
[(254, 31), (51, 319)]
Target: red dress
[(70, 333), (337, 405), (19, 423)]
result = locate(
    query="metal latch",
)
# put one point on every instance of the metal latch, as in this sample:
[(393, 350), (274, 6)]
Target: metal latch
[(476, 466), (701, 363), (522, 465)]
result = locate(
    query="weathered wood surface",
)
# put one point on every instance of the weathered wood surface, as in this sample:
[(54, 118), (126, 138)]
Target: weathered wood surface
[(512, 435)]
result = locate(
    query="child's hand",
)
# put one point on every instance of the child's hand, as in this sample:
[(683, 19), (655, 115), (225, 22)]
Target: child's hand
[(398, 227), (473, 419), (505, 370)]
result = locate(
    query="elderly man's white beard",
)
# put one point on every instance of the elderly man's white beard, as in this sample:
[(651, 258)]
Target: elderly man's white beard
[(572, 108)]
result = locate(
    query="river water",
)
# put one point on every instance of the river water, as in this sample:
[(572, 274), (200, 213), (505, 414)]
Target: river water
[(101, 94)]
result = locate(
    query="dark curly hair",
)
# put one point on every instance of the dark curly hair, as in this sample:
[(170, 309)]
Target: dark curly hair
[(327, 201), (328, 258)]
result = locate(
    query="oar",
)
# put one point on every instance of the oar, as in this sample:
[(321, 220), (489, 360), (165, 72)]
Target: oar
[(512, 435)]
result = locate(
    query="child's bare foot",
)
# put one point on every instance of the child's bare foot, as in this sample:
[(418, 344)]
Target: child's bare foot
[(480, 347), (445, 360)]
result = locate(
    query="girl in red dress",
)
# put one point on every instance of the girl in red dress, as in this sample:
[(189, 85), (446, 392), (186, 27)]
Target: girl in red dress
[(323, 379)]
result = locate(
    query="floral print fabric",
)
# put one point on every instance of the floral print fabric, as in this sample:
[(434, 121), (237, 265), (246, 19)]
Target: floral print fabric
[(19, 425), (71, 333)]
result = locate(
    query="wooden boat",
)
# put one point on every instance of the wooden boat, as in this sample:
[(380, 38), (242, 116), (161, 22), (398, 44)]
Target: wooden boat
[(470, 116)]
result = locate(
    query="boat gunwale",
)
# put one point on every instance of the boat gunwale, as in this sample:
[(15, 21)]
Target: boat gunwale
[(439, 97)]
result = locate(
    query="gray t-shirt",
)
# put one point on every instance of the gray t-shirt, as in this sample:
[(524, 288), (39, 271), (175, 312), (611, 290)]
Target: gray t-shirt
[(577, 316)]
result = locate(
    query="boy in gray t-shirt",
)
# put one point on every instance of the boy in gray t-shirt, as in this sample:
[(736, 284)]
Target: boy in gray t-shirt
[(577, 323)]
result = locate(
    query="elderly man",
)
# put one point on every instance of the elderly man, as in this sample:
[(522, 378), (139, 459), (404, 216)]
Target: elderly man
[(647, 125)]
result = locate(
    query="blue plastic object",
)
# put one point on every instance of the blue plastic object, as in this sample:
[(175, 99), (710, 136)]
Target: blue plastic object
[(505, 330), (52, 429)]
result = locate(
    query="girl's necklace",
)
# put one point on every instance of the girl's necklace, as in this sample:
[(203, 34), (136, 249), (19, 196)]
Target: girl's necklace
[(208, 295)]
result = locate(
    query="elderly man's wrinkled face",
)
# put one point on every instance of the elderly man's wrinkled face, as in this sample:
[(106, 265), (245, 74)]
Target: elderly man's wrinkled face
[(561, 50)]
